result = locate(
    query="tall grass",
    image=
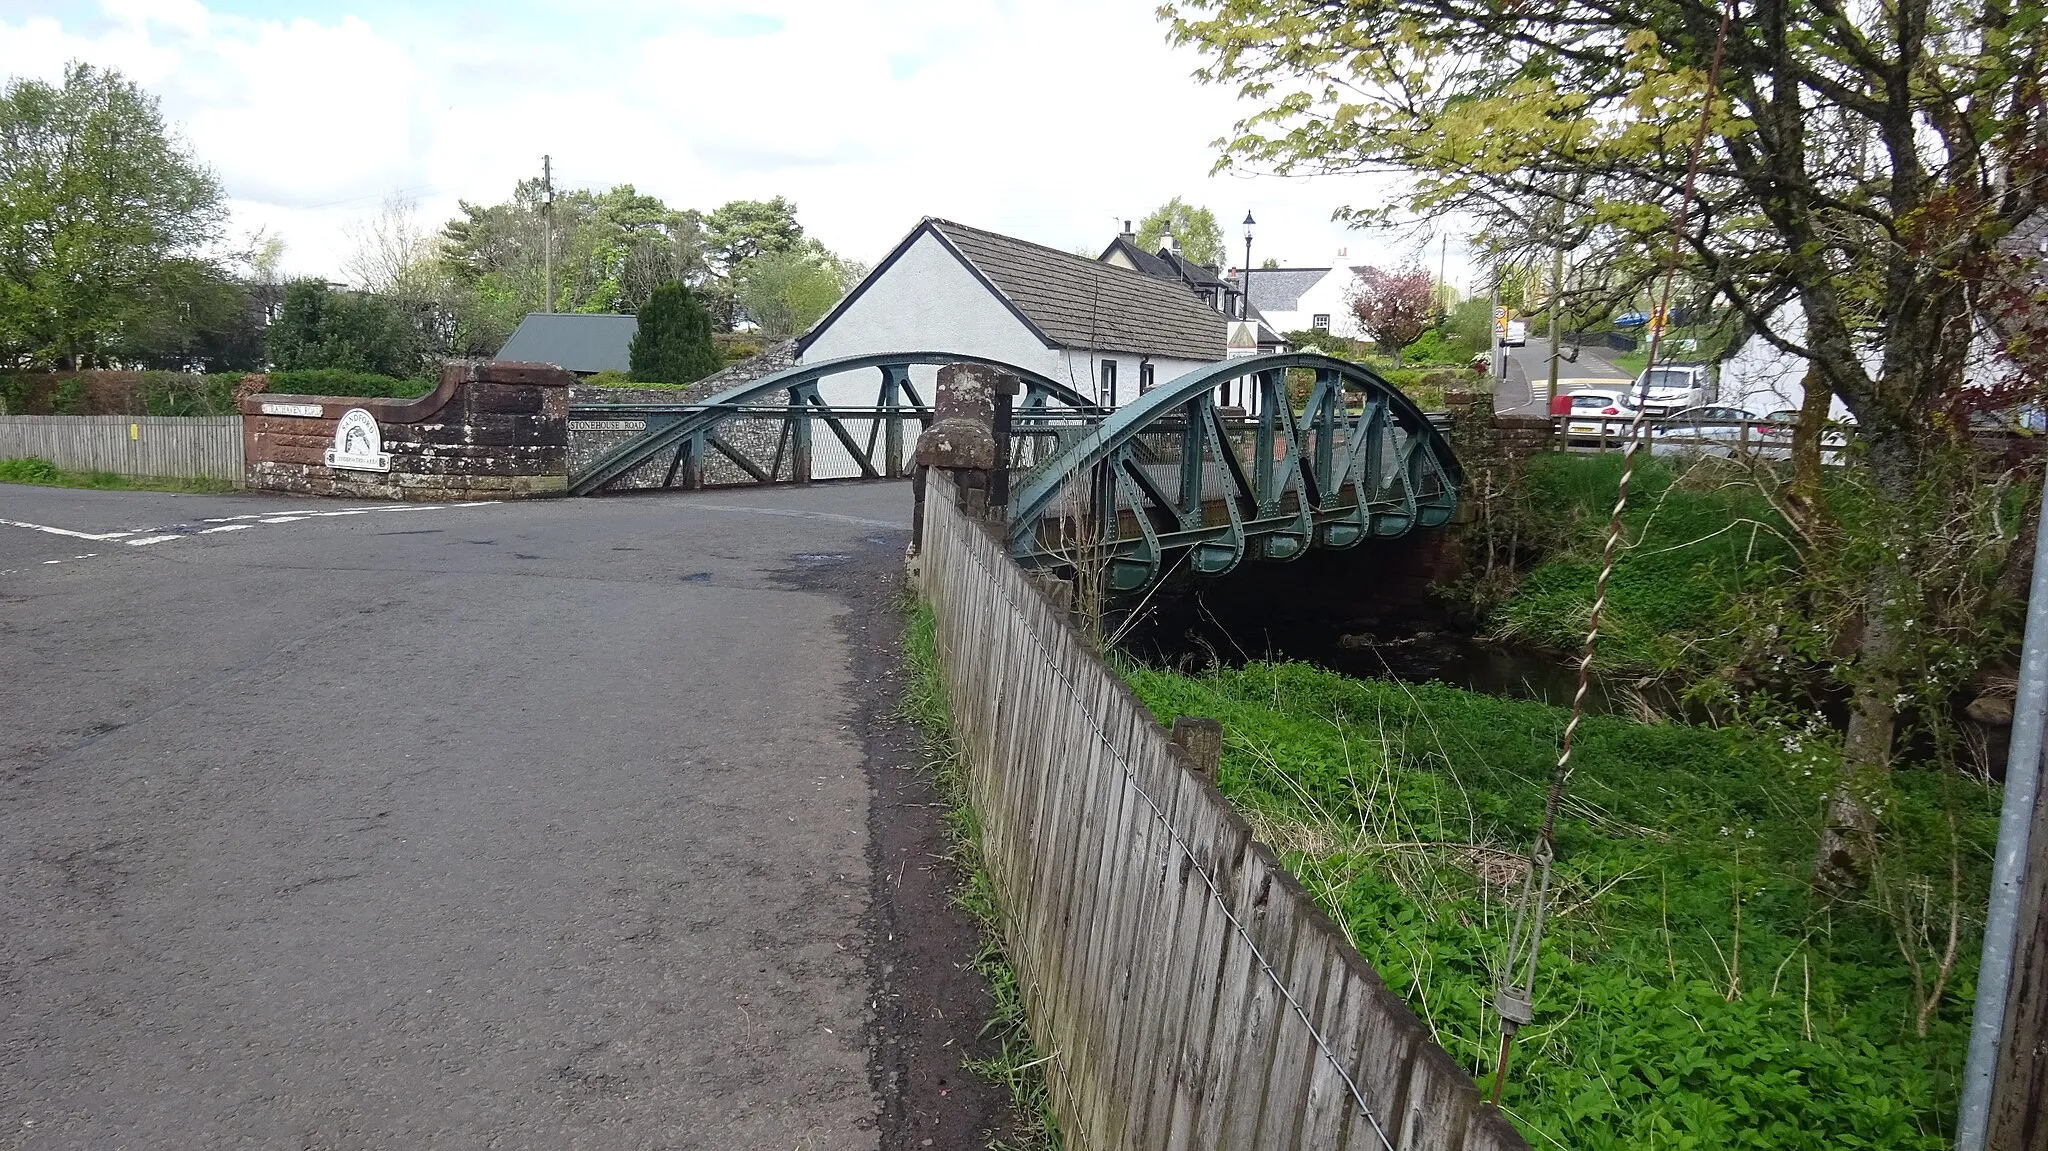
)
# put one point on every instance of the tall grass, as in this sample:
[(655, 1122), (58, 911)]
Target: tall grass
[(1693, 993)]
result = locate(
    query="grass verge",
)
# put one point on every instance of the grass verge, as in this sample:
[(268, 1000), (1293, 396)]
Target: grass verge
[(1693, 991), (46, 474), (1018, 1066)]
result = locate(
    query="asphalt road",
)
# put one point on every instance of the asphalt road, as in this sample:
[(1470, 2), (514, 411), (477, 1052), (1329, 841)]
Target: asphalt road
[(1526, 390), (538, 825)]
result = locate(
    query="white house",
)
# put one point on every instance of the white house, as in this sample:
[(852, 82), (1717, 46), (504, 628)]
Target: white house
[(1106, 331), (1306, 299)]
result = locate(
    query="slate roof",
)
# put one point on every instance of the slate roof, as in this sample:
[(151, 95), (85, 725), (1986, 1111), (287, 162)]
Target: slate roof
[(1281, 289), (1166, 267), (578, 343), (1076, 302)]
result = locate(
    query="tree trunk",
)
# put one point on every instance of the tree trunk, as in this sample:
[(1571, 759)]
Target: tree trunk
[(1807, 436), (1848, 840)]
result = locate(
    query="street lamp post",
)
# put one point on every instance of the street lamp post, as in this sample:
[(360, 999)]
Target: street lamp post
[(1245, 312)]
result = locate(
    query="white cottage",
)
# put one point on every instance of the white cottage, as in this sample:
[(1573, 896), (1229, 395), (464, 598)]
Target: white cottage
[(1106, 331), (1306, 299)]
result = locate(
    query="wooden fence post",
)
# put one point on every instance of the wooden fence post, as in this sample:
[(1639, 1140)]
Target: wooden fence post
[(1201, 740)]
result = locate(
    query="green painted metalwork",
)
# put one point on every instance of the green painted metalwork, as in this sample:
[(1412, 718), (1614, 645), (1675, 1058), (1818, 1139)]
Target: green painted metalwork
[(694, 436), (1174, 478)]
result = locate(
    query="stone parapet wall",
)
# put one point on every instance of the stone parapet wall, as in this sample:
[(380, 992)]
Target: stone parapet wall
[(1519, 437), (488, 430)]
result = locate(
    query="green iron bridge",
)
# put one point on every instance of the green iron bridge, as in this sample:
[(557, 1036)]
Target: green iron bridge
[(1324, 454)]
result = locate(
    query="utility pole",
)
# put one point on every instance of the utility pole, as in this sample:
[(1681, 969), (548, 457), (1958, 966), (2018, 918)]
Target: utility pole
[(1556, 291), (547, 243), (1495, 353), (1443, 259)]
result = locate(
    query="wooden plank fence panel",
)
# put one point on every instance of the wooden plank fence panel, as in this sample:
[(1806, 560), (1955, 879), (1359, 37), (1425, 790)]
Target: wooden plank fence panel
[(181, 447), (1186, 991)]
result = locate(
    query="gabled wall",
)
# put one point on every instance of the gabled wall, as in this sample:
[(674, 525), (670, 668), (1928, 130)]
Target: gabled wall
[(927, 300)]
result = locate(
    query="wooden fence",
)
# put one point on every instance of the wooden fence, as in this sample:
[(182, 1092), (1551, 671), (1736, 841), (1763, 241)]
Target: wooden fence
[(187, 447), (1187, 991)]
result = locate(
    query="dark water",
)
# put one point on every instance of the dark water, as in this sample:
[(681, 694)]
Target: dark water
[(1370, 614)]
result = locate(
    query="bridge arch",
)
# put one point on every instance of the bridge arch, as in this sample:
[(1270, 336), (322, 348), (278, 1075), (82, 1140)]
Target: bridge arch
[(690, 435), (1175, 476)]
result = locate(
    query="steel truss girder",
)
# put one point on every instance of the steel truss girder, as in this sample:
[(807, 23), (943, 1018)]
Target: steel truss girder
[(1320, 476), (684, 433)]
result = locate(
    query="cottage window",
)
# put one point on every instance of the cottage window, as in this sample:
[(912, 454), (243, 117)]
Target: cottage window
[(1107, 392), (1144, 377), (1321, 322)]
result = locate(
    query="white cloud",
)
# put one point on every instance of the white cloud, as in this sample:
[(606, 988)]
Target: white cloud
[(1050, 120)]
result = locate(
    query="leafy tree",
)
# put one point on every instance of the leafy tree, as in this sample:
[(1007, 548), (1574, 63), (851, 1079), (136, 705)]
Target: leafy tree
[(1194, 229), (1393, 307), (194, 316), (673, 344), (319, 327), (611, 249), (1863, 162), (786, 292), (103, 214), (743, 229)]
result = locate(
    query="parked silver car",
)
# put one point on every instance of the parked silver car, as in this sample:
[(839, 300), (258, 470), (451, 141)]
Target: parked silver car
[(1715, 430)]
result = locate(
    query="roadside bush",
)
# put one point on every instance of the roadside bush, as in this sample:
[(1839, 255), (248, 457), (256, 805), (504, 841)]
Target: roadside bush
[(119, 393), (341, 382), (1433, 347), (27, 471)]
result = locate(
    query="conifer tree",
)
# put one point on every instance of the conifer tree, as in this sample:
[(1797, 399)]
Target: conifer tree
[(673, 345)]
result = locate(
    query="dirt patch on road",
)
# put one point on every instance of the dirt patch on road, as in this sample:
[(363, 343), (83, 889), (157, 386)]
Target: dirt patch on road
[(929, 1005)]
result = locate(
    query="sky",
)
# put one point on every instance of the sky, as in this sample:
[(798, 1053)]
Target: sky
[(1051, 120)]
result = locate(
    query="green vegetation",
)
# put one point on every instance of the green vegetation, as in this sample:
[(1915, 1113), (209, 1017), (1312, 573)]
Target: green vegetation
[(1563, 128), (1195, 232), (321, 328), (787, 291), (105, 219), (1693, 540), (342, 382), (1018, 1066), (43, 473), (618, 379), (118, 394), (1693, 993), (673, 342)]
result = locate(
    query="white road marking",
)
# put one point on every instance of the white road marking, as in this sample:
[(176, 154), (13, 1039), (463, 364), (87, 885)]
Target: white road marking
[(67, 531), (157, 535)]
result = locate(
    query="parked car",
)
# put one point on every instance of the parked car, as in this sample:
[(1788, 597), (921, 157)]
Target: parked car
[(1517, 334), (1598, 413), (1674, 387), (1712, 430)]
